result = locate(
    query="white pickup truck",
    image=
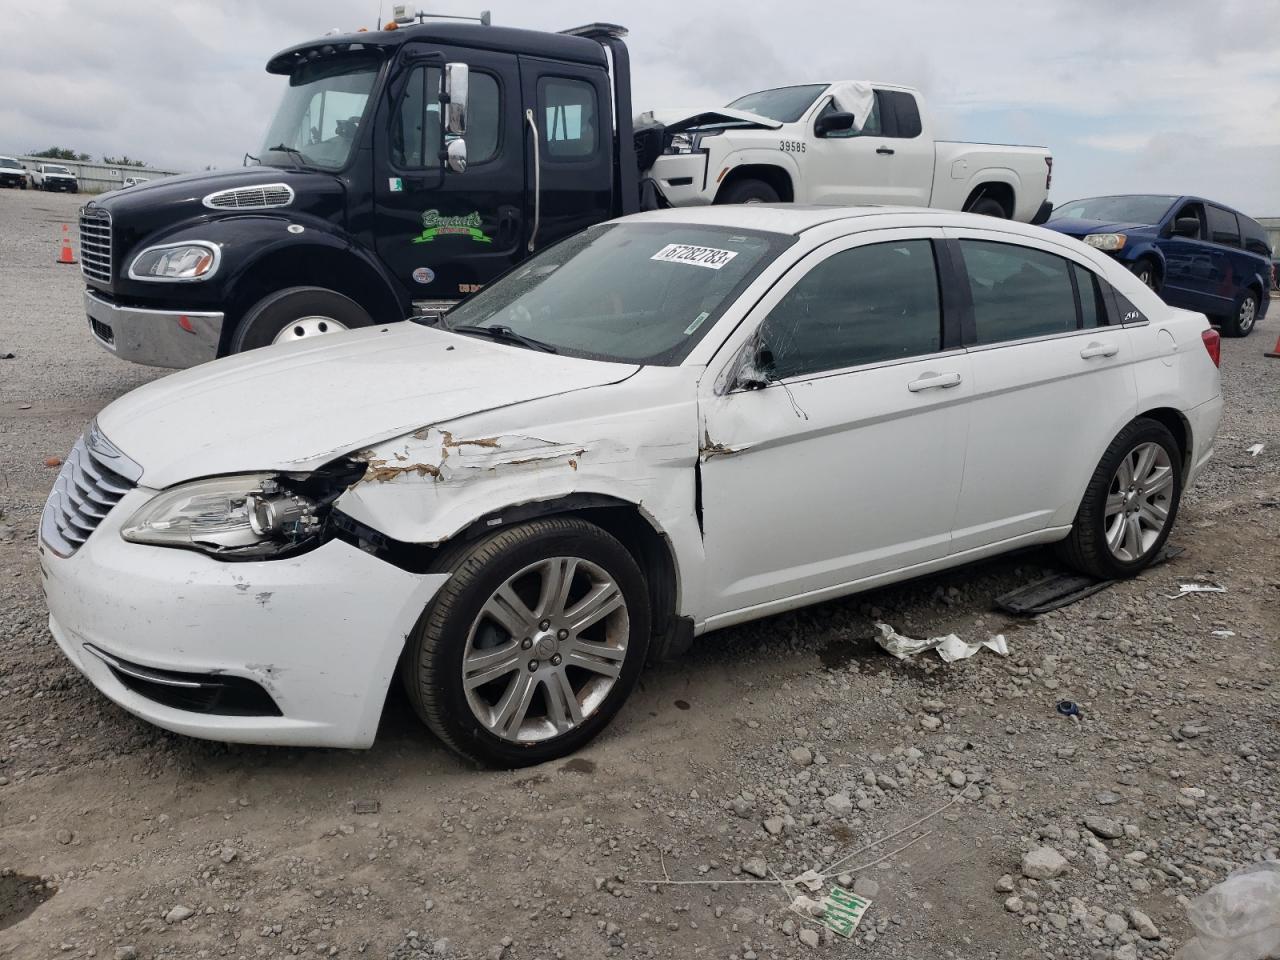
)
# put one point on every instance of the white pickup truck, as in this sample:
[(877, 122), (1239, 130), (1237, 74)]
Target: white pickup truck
[(853, 142)]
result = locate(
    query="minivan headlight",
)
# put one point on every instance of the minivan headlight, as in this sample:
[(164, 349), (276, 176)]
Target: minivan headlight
[(1106, 241), (248, 516), (193, 260)]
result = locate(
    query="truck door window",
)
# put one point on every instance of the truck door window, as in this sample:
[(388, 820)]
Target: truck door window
[(863, 305), (415, 131), (1222, 226), (870, 126), (569, 125)]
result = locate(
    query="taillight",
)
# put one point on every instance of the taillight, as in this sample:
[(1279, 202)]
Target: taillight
[(1048, 177), (1213, 343)]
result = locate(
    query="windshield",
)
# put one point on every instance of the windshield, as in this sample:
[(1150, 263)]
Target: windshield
[(634, 292), (1135, 209), (784, 104), (10, 164), (321, 113), (54, 168)]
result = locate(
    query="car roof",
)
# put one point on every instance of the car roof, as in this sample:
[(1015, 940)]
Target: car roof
[(794, 219)]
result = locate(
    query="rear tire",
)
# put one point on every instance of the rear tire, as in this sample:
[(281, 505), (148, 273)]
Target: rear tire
[(1130, 505), (296, 313), (1244, 319), (748, 190), (987, 207), (506, 619)]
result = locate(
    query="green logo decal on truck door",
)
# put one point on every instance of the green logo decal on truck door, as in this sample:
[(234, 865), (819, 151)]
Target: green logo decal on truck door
[(435, 225)]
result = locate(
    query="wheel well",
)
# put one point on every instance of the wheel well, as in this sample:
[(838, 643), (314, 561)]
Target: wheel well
[(1178, 426), (775, 177), (311, 266), (1001, 193), (1155, 264)]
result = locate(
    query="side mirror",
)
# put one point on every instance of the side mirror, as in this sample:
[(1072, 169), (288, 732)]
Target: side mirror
[(756, 369), (833, 123), (453, 98), (1186, 227), (456, 155)]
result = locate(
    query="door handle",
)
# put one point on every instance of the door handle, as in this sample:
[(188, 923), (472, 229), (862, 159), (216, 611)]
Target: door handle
[(934, 381), (537, 181), (886, 151), (1096, 349)]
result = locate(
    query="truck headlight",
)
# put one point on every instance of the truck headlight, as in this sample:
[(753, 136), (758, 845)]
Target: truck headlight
[(190, 260), (246, 517), (1106, 241)]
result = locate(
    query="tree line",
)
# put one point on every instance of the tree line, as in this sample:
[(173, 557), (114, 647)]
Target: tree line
[(62, 153)]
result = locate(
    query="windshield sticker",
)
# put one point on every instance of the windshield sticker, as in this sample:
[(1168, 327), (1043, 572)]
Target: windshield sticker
[(708, 257), (697, 322), (435, 225), (424, 275)]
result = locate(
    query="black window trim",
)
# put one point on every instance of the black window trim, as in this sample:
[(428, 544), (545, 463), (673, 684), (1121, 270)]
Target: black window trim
[(426, 61), (547, 155), (964, 302)]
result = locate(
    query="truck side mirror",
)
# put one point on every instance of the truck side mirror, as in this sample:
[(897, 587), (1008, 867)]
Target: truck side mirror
[(456, 155), (453, 98), (833, 123), (1187, 227)]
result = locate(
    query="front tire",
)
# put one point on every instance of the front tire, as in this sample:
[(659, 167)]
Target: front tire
[(1244, 319), (749, 190), (1130, 505), (532, 645), (1146, 271), (296, 313)]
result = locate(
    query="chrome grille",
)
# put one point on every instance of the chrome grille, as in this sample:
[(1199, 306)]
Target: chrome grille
[(92, 480), (251, 198), (95, 244)]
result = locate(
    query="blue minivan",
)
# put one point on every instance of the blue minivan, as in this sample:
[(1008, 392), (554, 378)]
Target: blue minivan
[(1196, 254)]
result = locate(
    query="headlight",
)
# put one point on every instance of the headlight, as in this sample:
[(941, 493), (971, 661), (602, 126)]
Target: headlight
[(1105, 241), (250, 516), (193, 260), (681, 143)]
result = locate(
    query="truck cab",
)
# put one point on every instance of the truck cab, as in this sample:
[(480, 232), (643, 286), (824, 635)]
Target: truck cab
[(404, 169)]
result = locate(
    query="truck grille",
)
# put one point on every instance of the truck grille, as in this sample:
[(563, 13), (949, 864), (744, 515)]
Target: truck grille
[(92, 481), (251, 198), (95, 244)]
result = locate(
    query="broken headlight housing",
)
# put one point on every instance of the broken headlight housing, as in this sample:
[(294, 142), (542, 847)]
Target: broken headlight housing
[(253, 516)]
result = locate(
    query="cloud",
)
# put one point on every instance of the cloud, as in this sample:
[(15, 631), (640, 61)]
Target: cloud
[(1117, 91)]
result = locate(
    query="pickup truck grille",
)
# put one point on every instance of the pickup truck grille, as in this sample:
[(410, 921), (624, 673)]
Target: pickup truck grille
[(95, 244), (88, 486), (251, 198)]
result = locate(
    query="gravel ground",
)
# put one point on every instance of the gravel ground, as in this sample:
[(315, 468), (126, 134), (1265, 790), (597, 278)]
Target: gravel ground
[(786, 745)]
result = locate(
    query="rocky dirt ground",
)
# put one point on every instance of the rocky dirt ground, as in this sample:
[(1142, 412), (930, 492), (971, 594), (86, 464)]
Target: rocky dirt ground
[(790, 744)]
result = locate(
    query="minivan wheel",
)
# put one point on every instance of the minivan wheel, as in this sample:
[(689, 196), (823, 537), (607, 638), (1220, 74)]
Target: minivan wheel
[(1130, 505), (1241, 323), (296, 313), (1146, 271), (532, 645)]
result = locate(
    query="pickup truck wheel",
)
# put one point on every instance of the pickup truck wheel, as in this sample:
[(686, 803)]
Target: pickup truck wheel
[(748, 191), (1130, 504), (1241, 323), (296, 313), (532, 645), (987, 207)]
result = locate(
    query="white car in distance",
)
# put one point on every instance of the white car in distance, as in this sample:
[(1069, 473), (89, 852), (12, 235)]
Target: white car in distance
[(664, 425)]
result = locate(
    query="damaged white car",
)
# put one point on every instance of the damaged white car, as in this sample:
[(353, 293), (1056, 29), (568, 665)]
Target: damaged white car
[(664, 425)]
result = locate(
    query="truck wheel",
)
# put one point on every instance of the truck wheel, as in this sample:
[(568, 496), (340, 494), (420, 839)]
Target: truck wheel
[(296, 313), (748, 191), (532, 644), (987, 207)]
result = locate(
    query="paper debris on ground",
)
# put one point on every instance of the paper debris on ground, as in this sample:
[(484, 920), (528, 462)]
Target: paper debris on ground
[(810, 878), (1256, 449), (1188, 588), (950, 648), (1224, 634), (839, 911)]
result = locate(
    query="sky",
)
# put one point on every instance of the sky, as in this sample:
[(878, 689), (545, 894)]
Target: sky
[(1180, 97)]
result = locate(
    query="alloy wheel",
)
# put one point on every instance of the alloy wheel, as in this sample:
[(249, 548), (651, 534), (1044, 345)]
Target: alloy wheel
[(1248, 313), (305, 327), (545, 650), (1138, 502)]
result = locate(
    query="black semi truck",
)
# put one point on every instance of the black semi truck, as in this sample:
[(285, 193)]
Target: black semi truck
[(404, 169)]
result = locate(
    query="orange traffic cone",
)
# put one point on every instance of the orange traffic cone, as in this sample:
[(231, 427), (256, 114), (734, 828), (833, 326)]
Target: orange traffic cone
[(1274, 351), (66, 256)]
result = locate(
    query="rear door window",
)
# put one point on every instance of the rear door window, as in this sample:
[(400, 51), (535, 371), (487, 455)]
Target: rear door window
[(569, 121), (1222, 226), (864, 305), (1018, 292), (901, 106)]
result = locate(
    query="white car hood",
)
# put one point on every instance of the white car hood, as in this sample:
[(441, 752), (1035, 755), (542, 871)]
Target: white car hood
[(676, 119), (297, 406)]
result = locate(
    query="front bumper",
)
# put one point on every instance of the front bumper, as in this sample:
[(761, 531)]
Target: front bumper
[(69, 186), (320, 633), (13, 179), (157, 338)]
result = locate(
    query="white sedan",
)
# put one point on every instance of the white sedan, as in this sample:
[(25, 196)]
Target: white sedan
[(664, 425)]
